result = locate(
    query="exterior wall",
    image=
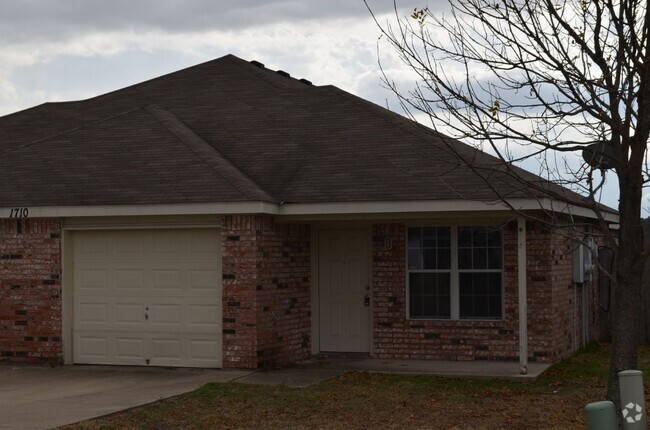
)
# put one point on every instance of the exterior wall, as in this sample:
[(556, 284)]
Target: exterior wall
[(30, 291), (267, 301), (553, 311), (396, 337)]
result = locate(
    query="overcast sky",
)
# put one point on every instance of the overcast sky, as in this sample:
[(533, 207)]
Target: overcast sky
[(52, 50), (55, 50)]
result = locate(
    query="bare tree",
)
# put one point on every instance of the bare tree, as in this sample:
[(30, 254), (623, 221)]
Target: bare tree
[(546, 79)]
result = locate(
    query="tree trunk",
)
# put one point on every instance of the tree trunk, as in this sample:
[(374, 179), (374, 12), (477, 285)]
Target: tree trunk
[(627, 291), (644, 317)]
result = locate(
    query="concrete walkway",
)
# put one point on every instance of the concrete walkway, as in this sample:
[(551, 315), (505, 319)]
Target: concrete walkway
[(33, 397), (317, 370)]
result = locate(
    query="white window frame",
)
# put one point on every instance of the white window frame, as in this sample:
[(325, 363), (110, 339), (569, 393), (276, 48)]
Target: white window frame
[(454, 288)]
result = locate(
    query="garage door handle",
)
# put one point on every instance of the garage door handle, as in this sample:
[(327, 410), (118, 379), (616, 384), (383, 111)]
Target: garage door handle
[(146, 313)]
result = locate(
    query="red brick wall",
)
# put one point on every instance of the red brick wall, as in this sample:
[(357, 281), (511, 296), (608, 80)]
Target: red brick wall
[(397, 337), (30, 291), (550, 299), (267, 301)]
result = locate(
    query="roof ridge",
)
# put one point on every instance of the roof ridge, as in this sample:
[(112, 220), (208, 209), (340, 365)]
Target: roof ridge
[(210, 155)]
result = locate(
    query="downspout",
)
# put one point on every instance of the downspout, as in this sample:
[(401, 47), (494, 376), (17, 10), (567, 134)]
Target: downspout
[(523, 306)]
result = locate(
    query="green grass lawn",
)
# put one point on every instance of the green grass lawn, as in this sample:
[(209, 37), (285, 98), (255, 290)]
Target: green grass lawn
[(556, 400)]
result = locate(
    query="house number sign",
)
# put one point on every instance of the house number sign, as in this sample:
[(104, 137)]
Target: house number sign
[(19, 213)]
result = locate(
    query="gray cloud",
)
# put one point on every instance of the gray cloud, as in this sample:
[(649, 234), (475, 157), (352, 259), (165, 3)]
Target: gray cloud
[(61, 19)]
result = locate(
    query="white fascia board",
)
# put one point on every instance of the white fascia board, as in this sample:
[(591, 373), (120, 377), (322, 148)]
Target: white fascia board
[(560, 207), (138, 210), (296, 210), (439, 206)]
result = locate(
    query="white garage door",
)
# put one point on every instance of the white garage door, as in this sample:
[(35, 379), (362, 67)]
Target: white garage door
[(147, 297)]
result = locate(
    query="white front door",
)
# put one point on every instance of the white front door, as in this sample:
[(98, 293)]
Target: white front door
[(344, 290)]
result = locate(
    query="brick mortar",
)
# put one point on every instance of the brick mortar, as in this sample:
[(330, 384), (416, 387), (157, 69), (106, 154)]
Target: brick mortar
[(30, 291), (550, 307), (267, 299)]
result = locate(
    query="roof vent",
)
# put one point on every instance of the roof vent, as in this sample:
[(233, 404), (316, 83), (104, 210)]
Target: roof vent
[(306, 81), (283, 73), (258, 64)]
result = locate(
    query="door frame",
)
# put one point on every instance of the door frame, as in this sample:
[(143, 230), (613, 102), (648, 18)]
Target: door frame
[(315, 290)]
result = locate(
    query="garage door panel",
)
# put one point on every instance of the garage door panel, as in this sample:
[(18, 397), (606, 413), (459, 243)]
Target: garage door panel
[(92, 347), (93, 279), (131, 245), (166, 314), (167, 348), (203, 316), (93, 313), (147, 297), (167, 279), (132, 314), (92, 245), (132, 279), (166, 243), (129, 348), (203, 279), (204, 246)]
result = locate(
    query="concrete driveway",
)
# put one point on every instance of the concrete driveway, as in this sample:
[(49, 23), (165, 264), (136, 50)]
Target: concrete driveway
[(34, 397)]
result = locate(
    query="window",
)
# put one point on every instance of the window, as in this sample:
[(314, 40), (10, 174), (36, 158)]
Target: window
[(455, 272)]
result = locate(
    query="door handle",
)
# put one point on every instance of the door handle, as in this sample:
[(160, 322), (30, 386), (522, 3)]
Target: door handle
[(366, 300)]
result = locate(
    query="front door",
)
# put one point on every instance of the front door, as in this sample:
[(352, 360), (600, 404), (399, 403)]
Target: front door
[(344, 290)]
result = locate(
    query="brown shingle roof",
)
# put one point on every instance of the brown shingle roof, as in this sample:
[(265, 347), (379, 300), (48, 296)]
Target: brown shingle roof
[(229, 131)]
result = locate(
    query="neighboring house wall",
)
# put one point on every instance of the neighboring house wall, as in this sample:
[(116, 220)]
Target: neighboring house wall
[(267, 302), (30, 291), (554, 304)]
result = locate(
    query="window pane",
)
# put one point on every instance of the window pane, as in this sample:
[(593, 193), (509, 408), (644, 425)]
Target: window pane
[(495, 307), (466, 284), (494, 282), (481, 307), (479, 237), (494, 238), (444, 237), (416, 284), (466, 306), (464, 237), (429, 237), (480, 295), (429, 259), (444, 258), (464, 258), (431, 299), (414, 235), (444, 284), (494, 258), (415, 259), (479, 258), (481, 284)]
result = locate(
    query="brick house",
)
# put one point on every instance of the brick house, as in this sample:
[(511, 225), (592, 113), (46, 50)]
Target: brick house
[(228, 215)]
